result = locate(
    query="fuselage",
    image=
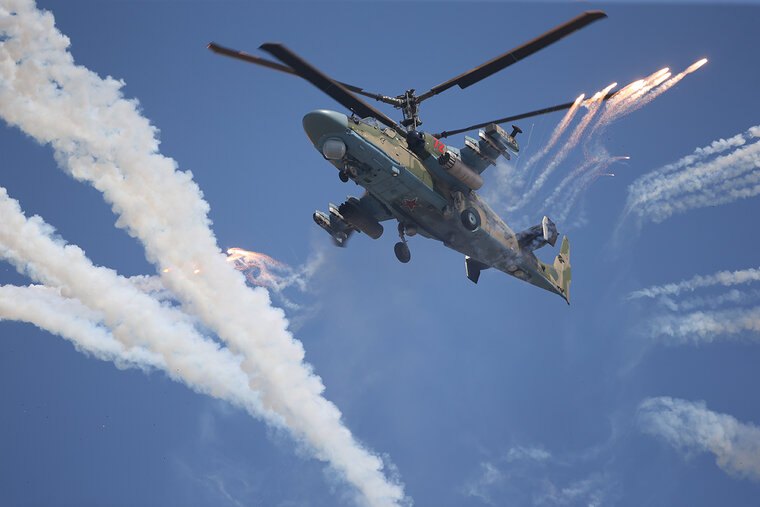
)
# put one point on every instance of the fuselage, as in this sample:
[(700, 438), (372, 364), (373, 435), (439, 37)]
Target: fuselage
[(414, 189)]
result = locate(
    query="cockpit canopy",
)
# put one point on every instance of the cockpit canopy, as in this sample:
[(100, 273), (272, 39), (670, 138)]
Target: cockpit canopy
[(371, 121)]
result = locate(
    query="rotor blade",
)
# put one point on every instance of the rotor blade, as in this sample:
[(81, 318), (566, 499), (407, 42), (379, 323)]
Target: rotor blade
[(502, 61), (331, 87), (560, 107), (246, 57)]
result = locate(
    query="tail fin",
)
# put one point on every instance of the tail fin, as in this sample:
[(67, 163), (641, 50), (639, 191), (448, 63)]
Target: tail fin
[(562, 266), (559, 273)]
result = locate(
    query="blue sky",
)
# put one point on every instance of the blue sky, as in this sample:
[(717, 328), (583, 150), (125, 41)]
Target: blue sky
[(488, 394)]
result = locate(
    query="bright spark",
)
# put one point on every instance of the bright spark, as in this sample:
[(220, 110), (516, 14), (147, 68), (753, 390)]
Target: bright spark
[(694, 66)]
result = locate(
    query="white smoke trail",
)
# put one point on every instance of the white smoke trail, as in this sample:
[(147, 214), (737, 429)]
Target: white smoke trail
[(732, 167), (134, 318), (705, 327), (724, 278), (509, 179), (700, 154), (100, 137), (687, 185), (593, 104), (47, 309), (582, 178), (733, 297), (721, 316), (617, 102), (558, 131), (626, 100), (668, 84), (742, 187), (629, 98), (152, 286), (691, 426)]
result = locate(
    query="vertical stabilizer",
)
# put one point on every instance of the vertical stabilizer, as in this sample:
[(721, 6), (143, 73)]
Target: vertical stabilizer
[(559, 272), (562, 266)]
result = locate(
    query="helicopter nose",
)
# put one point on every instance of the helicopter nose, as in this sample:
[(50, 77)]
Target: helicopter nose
[(320, 122)]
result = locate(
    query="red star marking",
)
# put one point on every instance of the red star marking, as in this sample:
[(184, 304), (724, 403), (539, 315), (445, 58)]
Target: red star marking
[(411, 203)]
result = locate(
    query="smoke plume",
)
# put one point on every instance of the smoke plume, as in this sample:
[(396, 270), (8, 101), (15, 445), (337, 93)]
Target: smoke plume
[(692, 318), (722, 278), (708, 177), (517, 192), (47, 309), (705, 326), (87, 298), (100, 138), (691, 427)]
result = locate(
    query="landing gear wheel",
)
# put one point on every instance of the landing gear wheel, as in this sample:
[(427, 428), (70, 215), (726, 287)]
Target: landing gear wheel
[(470, 219), (401, 249), (343, 175), (402, 252)]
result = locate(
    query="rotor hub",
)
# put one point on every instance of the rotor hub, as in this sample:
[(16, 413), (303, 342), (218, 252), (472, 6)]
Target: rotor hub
[(409, 109)]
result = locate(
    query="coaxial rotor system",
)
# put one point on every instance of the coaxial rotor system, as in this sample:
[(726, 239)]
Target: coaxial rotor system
[(408, 102)]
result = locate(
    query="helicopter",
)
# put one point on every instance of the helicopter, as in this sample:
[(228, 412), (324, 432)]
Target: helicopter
[(411, 176)]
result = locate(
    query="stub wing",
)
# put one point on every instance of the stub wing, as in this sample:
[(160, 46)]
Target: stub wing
[(559, 272)]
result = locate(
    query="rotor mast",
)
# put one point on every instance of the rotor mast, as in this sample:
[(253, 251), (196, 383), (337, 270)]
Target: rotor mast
[(408, 105), (407, 102)]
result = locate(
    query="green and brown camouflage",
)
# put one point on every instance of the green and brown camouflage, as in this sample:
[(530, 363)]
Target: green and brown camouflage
[(416, 179), (405, 181)]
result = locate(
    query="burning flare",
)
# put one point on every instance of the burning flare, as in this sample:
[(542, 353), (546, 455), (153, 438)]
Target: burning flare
[(259, 269), (694, 66)]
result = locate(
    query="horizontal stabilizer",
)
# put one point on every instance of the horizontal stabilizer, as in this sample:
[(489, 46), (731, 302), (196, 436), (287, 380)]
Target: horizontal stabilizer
[(539, 235), (473, 268)]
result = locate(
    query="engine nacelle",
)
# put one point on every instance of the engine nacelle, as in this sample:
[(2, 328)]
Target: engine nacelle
[(455, 167)]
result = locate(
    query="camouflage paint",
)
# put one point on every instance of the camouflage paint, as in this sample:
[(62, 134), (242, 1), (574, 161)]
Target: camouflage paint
[(416, 191)]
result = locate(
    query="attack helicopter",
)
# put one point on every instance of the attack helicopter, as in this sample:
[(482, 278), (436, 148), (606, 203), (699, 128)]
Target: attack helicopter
[(411, 176)]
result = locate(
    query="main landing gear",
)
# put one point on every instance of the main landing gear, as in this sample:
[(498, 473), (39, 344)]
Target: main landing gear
[(470, 219), (401, 249)]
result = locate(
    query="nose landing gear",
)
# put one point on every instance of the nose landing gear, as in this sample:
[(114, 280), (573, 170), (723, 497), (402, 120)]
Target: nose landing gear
[(401, 249), (349, 171)]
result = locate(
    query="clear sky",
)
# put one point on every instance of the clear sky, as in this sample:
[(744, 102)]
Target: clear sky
[(488, 394)]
